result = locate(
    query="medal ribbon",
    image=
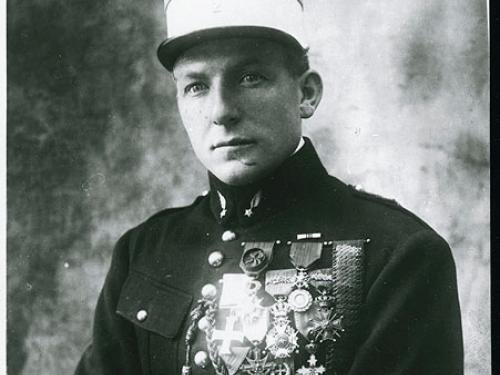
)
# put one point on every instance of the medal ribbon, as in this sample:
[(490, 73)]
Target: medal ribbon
[(304, 254)]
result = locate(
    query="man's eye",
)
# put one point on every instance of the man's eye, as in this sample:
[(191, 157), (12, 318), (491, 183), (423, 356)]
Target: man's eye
[(194, 88), (252, 78)]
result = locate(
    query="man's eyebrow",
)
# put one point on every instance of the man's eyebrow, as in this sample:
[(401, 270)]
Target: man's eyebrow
[(249, 61), (191, 74), (196, 72)]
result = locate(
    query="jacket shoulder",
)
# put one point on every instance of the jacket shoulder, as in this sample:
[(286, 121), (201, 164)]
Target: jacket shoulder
[(166, 216), (385, 204), (174, 210)]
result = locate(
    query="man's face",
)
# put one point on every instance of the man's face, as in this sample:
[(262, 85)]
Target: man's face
[(240, 107)]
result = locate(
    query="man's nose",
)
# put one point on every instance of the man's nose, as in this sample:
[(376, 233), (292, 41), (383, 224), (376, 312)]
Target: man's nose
[(225, 111)]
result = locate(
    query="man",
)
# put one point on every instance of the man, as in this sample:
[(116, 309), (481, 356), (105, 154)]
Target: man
[(280, 268)]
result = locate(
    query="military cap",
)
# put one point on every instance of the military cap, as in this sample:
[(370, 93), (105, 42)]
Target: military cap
[(190, 22)]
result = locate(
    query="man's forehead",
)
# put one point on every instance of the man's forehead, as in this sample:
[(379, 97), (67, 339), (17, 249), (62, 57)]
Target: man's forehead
[(231, 52)]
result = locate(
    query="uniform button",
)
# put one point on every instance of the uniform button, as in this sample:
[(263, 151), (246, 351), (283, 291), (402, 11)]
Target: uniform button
[(215, 258), (201, 359), (209, 291), (203, 324), (141, 315), (228, 235)]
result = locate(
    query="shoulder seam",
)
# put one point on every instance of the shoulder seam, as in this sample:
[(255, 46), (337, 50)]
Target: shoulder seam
[(170, 210), (391, 203)]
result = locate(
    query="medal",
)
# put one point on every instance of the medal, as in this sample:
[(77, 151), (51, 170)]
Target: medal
[(280, 282), (320, 323), (300, 300), (228, 334), (256, 257), (326, 326), (302, 256), (240, 294), (254, 316), (233, 284), (283, 368), (256, 363), (281, 340), (311, 369)]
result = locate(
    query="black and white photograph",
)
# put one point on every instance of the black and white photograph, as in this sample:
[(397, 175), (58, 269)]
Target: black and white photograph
[(248, 187)]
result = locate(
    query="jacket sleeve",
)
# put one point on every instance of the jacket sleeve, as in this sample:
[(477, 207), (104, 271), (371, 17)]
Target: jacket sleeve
[(412, 322), (114, 346)]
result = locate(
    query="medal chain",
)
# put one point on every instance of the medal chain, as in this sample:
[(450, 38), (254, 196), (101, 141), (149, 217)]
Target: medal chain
[(213, 352), (196, 314)]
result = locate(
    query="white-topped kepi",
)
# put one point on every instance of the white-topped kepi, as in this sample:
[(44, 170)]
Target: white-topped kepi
[(190, 22)]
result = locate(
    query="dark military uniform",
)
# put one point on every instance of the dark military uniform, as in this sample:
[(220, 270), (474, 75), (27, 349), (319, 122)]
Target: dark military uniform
[(409, 319)]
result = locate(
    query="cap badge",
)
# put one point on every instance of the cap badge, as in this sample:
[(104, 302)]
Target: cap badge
[(216, 6)]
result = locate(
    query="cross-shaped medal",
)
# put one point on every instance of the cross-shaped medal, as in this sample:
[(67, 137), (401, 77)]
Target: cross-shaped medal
[(228, 334), (257, 365), (327, 327), (312, 369), (282, 369)]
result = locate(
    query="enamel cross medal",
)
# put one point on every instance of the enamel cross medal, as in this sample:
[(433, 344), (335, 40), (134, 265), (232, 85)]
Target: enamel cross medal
[(254, 315), (241, 294)]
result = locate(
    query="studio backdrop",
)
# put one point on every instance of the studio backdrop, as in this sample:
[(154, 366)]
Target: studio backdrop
[(95, 145)]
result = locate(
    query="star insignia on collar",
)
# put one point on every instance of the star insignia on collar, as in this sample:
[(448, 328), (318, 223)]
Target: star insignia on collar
[(253, 204), (223, 205)]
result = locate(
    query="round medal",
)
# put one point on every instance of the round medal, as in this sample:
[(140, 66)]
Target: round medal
[(254, 261), (300, 300)]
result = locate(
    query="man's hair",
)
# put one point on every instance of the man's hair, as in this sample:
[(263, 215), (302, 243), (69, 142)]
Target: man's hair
[(296, 60)]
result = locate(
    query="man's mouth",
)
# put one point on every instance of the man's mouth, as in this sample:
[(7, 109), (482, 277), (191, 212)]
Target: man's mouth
[(233, 142)]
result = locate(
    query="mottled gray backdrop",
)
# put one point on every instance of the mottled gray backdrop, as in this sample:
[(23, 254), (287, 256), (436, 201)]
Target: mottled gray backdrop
[(95, 145)]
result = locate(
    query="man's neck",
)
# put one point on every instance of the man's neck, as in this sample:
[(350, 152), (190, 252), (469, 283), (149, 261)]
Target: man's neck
[(242, 205)]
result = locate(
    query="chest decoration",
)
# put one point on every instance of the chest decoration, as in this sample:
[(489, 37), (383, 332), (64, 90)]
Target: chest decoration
[(280, 321)]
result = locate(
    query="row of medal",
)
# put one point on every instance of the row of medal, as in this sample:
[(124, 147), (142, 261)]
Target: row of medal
[(259, 337)]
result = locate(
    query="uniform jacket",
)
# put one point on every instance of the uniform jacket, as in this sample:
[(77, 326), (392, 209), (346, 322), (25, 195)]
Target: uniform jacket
[(410, 318)]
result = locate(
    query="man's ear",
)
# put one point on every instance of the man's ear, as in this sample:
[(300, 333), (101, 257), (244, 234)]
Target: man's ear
[(311, 88)]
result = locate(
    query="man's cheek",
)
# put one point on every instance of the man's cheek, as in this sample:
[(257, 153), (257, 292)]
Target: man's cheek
[(196, 116)]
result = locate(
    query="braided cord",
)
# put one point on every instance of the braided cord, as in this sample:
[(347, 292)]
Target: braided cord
[(213, 352), (330, 357), (196, 314)]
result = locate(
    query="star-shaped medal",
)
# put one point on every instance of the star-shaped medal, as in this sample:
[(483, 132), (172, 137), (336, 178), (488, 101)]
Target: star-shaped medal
[(328, 327)]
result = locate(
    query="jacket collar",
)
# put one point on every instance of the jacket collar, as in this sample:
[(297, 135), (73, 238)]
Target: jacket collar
[(297, 178)]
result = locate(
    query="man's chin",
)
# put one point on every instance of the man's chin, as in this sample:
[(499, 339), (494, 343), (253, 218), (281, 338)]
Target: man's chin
[(239, 175)]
